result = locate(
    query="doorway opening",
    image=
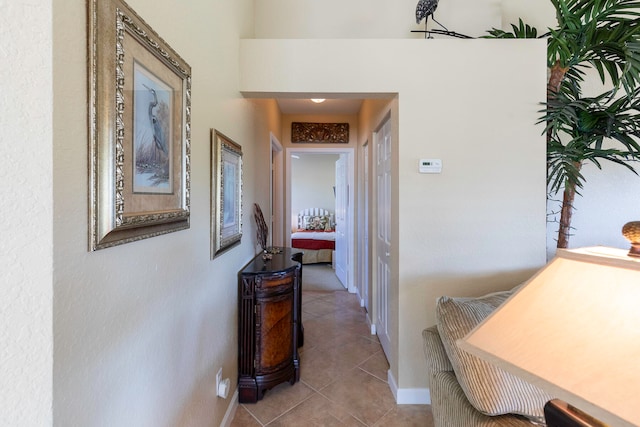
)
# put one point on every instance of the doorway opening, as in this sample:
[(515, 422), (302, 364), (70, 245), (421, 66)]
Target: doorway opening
[(333, 189)]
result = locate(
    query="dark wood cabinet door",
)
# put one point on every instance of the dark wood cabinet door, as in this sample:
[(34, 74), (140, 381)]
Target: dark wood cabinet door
[(274, 333)]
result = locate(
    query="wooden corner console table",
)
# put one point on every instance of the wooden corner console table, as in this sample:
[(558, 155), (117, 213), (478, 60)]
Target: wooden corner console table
[(269, 323)]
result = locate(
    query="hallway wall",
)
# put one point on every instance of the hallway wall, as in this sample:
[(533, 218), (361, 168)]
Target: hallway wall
[(449, 234), (141, 329), (26, 229)]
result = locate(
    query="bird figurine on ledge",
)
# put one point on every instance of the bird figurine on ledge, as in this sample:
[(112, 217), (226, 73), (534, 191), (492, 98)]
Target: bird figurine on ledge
[(426, 8)]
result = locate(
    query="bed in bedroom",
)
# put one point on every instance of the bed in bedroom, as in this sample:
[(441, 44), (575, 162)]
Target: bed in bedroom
[(315, 236)]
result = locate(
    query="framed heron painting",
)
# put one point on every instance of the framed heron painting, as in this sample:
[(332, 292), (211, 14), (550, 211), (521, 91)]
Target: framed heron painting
[(139, 127), (226, 193)]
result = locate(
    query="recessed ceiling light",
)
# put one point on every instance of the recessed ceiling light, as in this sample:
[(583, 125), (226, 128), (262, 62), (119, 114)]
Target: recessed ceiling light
[(318, 100)]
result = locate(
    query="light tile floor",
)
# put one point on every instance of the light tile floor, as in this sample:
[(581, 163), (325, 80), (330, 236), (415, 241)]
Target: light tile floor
[(343, 375)]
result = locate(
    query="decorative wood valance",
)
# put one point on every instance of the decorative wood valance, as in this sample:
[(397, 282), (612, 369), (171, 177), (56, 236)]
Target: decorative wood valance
[(319, 132)]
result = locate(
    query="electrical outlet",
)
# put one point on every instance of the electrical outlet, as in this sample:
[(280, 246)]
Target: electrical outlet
[(218, 379)]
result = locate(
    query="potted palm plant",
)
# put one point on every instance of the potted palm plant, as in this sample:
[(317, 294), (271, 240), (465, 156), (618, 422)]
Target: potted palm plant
[(603, 35)]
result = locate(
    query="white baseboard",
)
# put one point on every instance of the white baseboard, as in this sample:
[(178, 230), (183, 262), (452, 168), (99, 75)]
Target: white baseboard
[(408, 396), (359, 297), (413, 396), (231, 411), (372, 325)]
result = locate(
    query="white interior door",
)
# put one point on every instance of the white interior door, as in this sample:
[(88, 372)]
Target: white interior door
[(383, 233), (342, 207), (364, 231), (277, 193)]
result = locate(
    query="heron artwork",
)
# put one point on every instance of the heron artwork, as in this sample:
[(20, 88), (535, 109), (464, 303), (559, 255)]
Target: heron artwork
[(426, 8), (152, 124), (159, 137)]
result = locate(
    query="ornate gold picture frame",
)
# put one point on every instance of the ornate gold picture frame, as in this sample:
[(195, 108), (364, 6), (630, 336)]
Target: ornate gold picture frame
[(139, 127), (324, 133), (226, 193)]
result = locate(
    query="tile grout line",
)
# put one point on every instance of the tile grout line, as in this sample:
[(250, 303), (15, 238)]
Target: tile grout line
[(289, 410), (252, 416), (346, 409), (350, 314)]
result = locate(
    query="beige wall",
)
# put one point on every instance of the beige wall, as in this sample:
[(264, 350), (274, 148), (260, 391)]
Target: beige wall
[(141, 329), (313, 177), (480, 224), (388, 19), (26, 229)]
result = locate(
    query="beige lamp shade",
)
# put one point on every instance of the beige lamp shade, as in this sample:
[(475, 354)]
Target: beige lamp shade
[(574, 331)]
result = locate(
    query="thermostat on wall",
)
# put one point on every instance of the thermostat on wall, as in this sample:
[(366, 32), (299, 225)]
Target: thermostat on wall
[(430, 166)]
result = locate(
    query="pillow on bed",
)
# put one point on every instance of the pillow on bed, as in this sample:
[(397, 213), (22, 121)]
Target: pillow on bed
[(316, 222)]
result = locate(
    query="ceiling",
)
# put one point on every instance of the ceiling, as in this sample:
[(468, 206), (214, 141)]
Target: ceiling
[(328, 107)]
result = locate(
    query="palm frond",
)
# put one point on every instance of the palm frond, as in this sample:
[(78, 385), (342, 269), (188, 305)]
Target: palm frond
[(603, 33), (589, 129), (520, 31)]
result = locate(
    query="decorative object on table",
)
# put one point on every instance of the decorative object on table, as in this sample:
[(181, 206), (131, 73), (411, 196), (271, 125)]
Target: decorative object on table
[(631, 232), (303, 132), (262, 231), (226, 193), (590, 36), (139, 129)]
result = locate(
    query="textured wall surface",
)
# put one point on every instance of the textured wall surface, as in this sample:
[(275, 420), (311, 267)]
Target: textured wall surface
[(141, 329), (26, 206)]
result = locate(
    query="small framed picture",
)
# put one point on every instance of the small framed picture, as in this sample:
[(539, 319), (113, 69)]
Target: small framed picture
[(226, 193)]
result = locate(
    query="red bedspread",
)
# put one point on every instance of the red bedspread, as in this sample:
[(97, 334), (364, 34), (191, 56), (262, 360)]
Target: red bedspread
[(314, 244)]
